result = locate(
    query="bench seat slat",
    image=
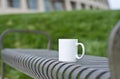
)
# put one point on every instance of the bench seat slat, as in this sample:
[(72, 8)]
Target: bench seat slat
[(44, 64)]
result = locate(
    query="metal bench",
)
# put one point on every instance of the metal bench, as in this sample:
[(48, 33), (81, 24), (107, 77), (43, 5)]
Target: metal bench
[(44, 64)]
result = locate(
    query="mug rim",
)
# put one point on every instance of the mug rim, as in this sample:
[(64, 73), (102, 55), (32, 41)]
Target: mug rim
[(67, 39)]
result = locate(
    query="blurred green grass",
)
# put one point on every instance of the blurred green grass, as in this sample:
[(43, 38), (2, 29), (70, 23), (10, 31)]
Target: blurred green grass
[(90, 27)]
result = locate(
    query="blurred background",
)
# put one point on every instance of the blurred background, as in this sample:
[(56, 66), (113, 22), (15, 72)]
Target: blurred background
[(90, 21)]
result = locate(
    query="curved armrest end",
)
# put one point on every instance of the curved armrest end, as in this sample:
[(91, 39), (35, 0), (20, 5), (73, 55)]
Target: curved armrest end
[(114, 52), (6, 32)]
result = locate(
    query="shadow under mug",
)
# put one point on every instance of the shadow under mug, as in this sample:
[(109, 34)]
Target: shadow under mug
[(68, 50)]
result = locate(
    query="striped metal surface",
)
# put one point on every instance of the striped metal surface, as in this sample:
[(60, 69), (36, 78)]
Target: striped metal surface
[(43, 64)]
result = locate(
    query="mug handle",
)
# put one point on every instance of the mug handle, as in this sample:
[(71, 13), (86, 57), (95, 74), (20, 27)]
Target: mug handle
[(83, 51)]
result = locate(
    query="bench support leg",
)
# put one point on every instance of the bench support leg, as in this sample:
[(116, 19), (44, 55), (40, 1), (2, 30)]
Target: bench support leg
[(3, 71)]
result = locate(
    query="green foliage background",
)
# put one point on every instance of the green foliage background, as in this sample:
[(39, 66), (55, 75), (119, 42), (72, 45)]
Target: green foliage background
[(90, 27)]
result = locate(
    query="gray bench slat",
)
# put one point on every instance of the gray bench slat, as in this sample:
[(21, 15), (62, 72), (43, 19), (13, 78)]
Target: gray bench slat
[(45, 65), (36, 68), (46, 68), (62, 70), (76, 72), (85, 74), (41, 68), (50, 69), (97, 74), (31, 68), (105, 76), (56, 70)]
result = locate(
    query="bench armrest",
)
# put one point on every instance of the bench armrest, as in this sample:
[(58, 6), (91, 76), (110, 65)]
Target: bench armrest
[(114, 52), (24, 31)]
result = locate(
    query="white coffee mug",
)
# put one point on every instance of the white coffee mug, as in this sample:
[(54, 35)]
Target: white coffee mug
[(68, 50)]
